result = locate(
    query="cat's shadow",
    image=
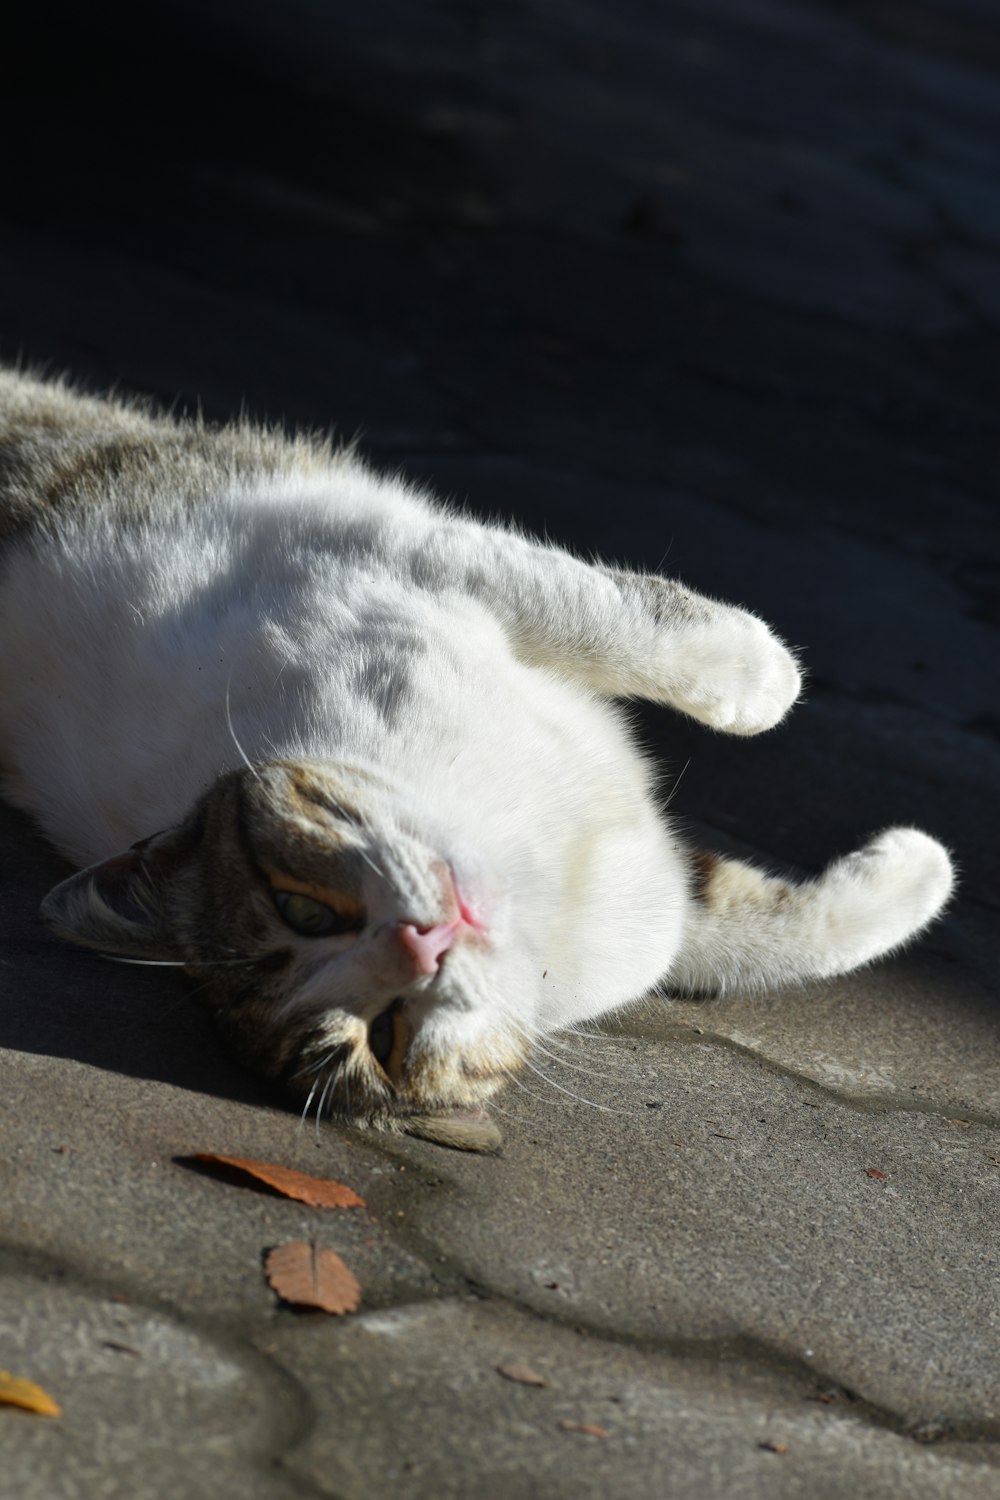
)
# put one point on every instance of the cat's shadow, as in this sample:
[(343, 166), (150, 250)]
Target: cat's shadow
[(59, 1001)]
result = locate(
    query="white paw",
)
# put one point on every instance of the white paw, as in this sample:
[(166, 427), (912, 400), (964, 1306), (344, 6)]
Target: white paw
[(732, 673), (906, 874), (881, 896)]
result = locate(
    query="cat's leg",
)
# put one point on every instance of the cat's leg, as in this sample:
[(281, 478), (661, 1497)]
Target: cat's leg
[(622, 634), (747, 930)]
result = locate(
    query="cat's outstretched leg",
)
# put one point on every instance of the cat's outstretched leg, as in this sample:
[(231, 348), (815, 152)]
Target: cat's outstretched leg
[(622, 634), (748, 930)]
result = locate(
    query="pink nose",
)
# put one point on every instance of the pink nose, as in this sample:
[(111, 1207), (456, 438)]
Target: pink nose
[(425, 945)]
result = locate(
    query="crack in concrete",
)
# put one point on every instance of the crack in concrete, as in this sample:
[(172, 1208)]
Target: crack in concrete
[(869, 1103), (732, 1349), (290, 1413)]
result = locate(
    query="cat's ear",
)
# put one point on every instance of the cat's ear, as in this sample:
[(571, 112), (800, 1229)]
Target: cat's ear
[(118, 906)]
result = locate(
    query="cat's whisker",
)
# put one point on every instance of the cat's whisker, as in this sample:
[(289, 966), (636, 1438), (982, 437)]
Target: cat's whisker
[(587, 1036), (322, 1098), (143, 963), (305, 1108), (535, 1043), (177, 963), (313, 1067), (232, 734), (606, 1108), (564, 1062), (519, 1083), (675, 784), (373, 866)]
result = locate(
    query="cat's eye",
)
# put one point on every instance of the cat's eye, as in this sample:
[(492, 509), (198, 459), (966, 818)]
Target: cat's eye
[(311, 918)]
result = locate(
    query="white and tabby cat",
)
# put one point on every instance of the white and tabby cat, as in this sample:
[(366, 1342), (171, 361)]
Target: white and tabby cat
[(362, 749)]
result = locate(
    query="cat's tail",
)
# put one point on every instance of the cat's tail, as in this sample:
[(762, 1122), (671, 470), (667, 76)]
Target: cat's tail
[(748, 930)]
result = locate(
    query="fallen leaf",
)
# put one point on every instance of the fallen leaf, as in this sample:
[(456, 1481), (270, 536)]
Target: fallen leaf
[(874, 1172), (25, 1393), (307, 1276), (962, 1124), (774, 1447), (523, 1374), (318, 1192), (590, 1428)]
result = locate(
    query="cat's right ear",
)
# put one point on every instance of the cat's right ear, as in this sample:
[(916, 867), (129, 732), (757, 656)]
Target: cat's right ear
[(118, 906)]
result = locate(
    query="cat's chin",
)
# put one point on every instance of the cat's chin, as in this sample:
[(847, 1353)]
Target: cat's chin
[(417, 1082), (453, 1116)]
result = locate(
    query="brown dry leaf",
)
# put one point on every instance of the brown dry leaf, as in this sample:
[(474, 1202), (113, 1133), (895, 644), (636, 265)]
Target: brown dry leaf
[(318, 1192), (590, 1428), (874, 1172), (961, 1124), (307, 1276), (774, 1447), (523, 1374), (14, 1391)]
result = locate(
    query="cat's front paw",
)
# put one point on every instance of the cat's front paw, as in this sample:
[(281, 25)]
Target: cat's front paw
[(734, 674)]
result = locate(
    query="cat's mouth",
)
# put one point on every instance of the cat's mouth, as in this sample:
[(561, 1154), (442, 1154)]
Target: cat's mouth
[(386, 1074), (388, 1035)]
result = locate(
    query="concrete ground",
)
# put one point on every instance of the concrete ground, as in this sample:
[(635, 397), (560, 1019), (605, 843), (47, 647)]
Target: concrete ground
[(712, 285)]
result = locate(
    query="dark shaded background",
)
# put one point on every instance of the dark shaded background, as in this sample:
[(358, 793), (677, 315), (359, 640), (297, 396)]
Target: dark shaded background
[(710, 285)]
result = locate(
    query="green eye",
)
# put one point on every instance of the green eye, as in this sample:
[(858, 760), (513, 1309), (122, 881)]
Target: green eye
[(307, 917)]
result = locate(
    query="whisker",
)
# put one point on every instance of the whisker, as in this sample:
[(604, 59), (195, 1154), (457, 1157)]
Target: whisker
[(305, 1108), (146, 963), (178, 963), (564, 1062), (314, 1067), (373, 866), (673, 790), (536, 1044), (607, 1109), (232, 734), (519, 1083), (587, 1036), (322, 1099), (493, 1108)]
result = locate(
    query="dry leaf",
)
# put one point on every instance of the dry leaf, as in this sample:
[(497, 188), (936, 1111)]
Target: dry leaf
[(590, 1428), (962, 1124), (318, 1192), (307, 1276), (523, 1374), (774, 1447), (874, 1172), (25, 1393)]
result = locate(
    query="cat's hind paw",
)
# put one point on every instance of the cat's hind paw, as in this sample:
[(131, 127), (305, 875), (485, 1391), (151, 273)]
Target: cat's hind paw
[(735, 674), (888, 891)]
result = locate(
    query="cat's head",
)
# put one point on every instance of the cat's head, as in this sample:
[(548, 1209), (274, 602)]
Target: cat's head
[(344, 948)]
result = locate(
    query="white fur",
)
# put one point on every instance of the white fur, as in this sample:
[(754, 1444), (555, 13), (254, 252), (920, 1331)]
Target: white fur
[(342, 617)]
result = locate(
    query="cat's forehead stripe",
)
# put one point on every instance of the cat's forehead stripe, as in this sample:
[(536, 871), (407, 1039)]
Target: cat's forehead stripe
[(312, 792)]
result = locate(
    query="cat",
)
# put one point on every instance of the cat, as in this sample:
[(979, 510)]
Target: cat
[(351, 759)]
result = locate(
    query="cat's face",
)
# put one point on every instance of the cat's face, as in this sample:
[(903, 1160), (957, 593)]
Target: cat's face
[(347, 951)]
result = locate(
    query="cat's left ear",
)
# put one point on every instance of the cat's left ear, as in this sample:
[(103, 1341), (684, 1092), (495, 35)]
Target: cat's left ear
[(119, 905)]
